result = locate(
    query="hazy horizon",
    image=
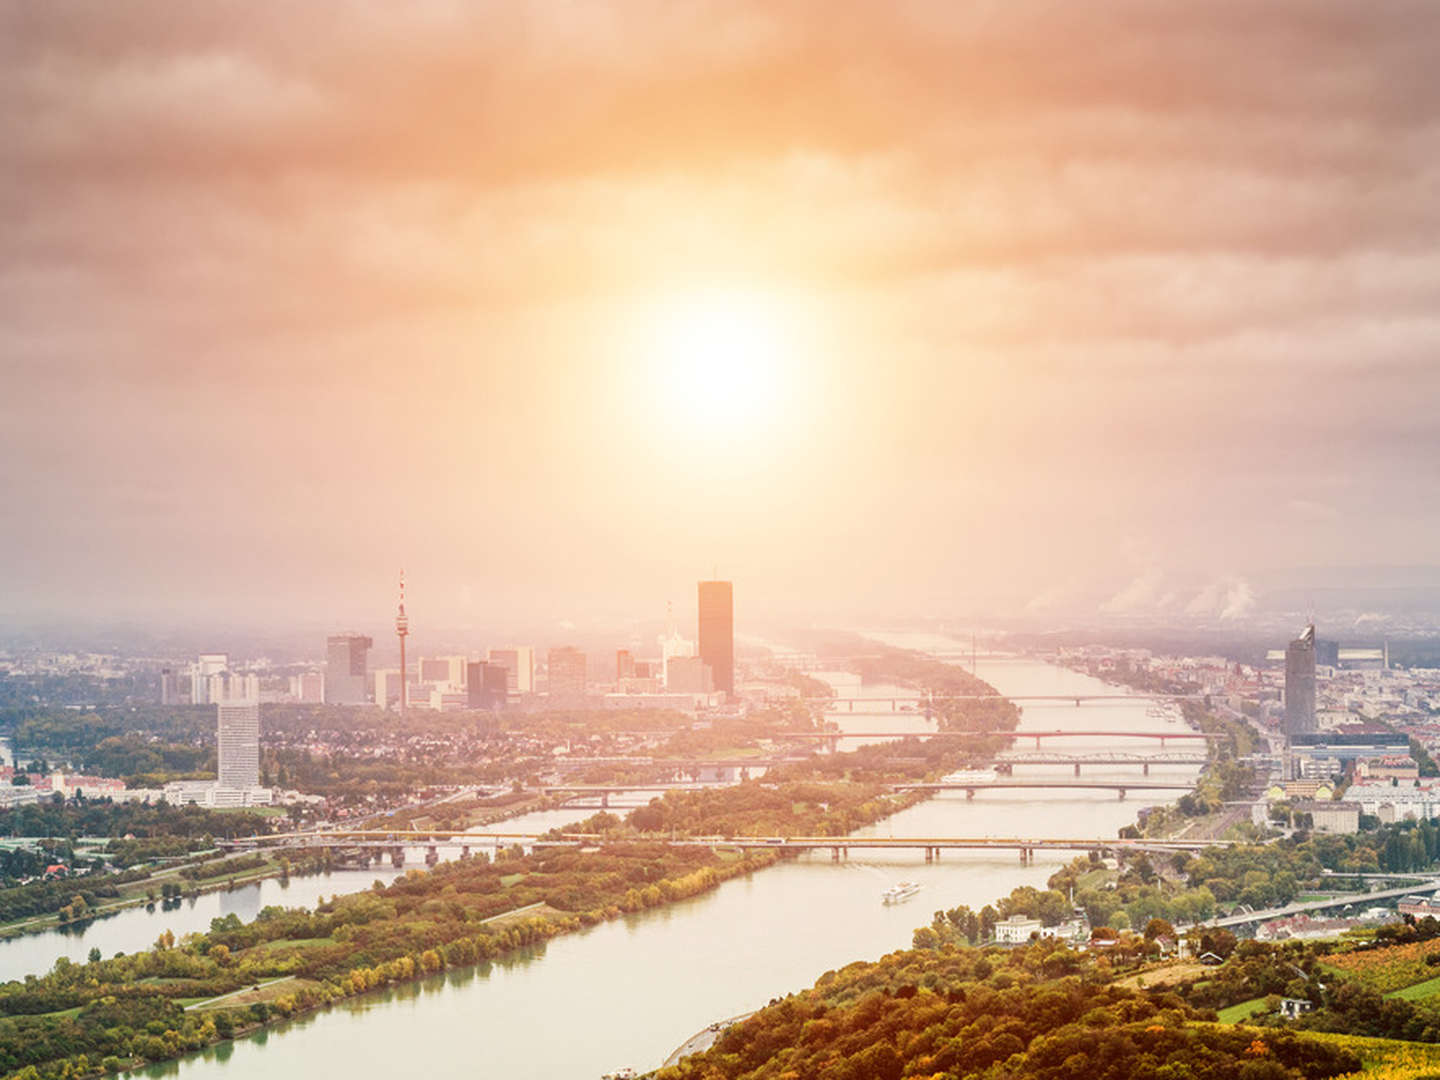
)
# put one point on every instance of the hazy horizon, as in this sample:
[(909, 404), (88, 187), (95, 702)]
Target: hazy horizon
[(1104, 311)]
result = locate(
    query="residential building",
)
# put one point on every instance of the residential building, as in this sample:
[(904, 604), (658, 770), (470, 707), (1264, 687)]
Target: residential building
[(308, 687), (1331, 816), (1016, 930), (206, 665)]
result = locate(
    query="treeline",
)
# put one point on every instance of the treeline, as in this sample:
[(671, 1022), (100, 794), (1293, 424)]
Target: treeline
[(116, 1013), (799, 808), (1037, 1012), (101, 817)]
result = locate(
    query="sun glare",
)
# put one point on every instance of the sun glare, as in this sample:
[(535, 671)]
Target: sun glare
[(723, 360)]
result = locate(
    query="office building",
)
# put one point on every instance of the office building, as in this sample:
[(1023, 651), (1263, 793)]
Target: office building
[(717, 633), (690, 675), (346, 662), (486, 685), (1300, 684), (519, 663), (447, 670), (238, 741), (624, 664), (566, 669)]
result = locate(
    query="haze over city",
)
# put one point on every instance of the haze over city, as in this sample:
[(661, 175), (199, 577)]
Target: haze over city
[(930, 310)]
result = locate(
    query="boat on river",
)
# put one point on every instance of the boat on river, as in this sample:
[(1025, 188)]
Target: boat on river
[(901, 890), (961, 776)]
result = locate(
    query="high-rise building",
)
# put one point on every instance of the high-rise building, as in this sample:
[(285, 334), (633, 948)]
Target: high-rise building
[(717, 633), (566, 666), (519, 663), (449, 670), (689, 675), (308, 687), (624, 664), (346, 660), (1300, 684), (173, 689), (237, 737), (486, 685), (387, 687), (206, 665)]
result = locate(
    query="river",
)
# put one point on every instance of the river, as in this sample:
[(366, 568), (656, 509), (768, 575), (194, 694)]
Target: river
[(630, 991)]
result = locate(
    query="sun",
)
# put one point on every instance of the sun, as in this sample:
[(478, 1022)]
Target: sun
[(721, 359)]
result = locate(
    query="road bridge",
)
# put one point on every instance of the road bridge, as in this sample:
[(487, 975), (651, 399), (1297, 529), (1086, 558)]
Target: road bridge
[(1343, 900), (1162, 737), (395, 841), (906, 703), (1006, 762), (1122, 787)]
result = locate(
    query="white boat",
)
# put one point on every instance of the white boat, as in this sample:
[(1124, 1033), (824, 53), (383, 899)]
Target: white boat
[(962, 776), (901, 890), (627, 1073)]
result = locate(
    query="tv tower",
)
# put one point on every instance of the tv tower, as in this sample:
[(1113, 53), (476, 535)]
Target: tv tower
[(402, 629)]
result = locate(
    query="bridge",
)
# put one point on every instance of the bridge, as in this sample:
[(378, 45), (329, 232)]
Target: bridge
[(1008, 761), (1036, 783), (396, 840), (898, 703), (1163, 737), (1344, 900)]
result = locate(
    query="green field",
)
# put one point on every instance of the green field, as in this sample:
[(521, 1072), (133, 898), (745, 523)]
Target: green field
[(1418, 991), (1238, 1014)]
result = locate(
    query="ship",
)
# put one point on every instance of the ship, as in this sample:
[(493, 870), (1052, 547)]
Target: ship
[(901, 890), (978, 776)]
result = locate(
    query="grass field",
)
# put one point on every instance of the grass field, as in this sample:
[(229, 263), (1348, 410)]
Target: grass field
[(1177, 971), (1238, 1014), (1419, 991), (266, 991)]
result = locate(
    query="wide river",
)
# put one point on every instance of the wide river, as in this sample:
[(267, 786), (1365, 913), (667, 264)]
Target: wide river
[(630, 991)]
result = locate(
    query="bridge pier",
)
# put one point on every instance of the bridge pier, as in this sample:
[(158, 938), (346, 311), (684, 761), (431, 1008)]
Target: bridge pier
[(1122, 794), (605, 800), (1145, 768), (969, 793), (465, 851), (929, 854), (1077, 768), (834, 854), (397, 857), (432, 856)]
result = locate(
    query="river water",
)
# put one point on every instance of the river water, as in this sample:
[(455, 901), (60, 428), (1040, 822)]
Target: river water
[(630, 991)]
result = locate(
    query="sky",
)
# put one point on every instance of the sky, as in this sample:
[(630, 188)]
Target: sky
[(915, 307)]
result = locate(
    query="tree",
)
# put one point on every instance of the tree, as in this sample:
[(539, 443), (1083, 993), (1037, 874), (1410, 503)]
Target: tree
[(1158, 927)]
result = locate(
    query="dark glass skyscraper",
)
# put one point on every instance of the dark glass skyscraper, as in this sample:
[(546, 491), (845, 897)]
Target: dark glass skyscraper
[(717, 632), (1300, 684)]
